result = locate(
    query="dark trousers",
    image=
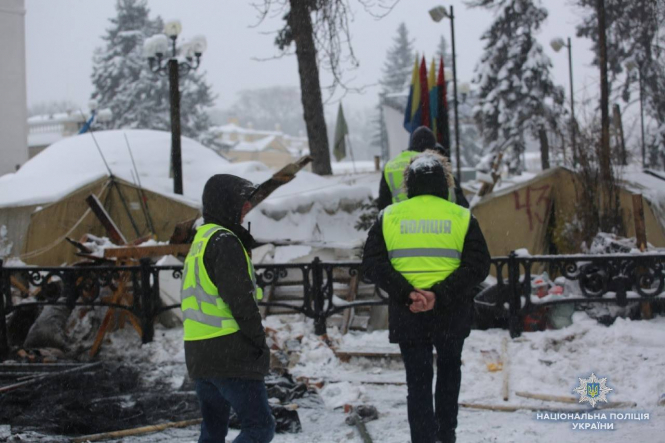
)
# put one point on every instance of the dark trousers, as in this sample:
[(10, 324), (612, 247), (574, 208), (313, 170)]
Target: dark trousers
[(428, 426), (249, 400)]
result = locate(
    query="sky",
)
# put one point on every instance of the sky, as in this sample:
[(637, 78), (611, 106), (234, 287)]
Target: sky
[(61, 36)]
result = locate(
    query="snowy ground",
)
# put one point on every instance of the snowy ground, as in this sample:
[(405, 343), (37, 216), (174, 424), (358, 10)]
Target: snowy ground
[(628, 353)]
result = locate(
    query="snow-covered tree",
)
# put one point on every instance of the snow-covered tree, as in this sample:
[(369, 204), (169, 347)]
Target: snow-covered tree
[(517, 95), (137, 97), (443, 50), (635, 30), (399, 62)]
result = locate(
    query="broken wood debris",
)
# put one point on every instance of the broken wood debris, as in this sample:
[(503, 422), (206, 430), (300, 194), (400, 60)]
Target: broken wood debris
[(137, 252), (41, 377), (279, 178), (137, 431), (572, 400), (111, 228)]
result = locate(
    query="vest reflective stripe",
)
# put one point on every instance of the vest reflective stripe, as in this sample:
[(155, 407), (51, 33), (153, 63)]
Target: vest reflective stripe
[(205, 315), (394, 174), (424, 237), (424, 252), (201, 317)]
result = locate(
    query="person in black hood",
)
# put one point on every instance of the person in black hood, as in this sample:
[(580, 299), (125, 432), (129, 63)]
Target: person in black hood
[(229, 369), (422, 139), (430, 290)]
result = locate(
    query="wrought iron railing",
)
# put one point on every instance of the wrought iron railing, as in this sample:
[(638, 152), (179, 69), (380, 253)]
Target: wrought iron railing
[(601, 278)]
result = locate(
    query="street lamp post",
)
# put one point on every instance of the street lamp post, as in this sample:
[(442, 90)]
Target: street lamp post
[(439, 13), (630, 65), (155, 48), (557, 44)]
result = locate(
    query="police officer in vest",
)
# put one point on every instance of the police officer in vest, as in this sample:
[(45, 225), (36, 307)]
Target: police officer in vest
[(427, 254), (391, 188), (225, 345)]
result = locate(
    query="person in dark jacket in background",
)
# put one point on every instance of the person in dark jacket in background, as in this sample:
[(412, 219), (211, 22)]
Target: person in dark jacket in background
[(225, 344), (390, 187), (428, 254)]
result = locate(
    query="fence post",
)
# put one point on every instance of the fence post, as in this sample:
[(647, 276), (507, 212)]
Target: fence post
[(515, 300), (317, 288), (4, 344), (69, 288), (147, 302)]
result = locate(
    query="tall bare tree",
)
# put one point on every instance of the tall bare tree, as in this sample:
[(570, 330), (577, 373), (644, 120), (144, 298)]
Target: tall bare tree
[(320, 31)]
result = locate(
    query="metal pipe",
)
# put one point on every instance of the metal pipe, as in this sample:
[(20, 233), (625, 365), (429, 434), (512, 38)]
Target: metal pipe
[(639, 72), (176, 154), (573, 125), (457, 147)]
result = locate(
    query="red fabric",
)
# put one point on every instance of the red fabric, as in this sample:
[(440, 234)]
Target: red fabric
[(424, 95), (442, 123)]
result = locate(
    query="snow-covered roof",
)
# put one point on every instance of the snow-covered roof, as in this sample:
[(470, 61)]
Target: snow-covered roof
[(233, 128), (61, 117), (74, 162), (256, 146)]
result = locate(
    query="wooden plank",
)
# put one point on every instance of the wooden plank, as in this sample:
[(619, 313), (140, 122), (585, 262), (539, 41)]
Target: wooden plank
[(146, 251), (80, 246), (182, 232), (111, 228), (18, 285), (137, 431), (281, 177)]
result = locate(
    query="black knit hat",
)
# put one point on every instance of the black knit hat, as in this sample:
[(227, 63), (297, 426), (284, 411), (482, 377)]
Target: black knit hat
[(224, 195), (422, 139), (426, 175)]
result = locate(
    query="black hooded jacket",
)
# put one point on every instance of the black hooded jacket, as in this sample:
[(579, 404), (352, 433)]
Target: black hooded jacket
[(243, 354), (453, 311)]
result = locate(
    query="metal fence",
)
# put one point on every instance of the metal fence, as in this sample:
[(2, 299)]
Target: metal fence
[(619, 279)]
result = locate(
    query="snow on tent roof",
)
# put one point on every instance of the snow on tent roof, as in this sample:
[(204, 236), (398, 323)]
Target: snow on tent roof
[(75, 161), (71, 163)]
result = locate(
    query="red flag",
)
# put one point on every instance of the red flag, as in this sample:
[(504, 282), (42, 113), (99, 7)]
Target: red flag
[(443, 128), (424, 95)]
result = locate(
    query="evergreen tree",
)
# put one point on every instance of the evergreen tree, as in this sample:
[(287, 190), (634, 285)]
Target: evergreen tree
[(137, 97), (634, 34), (516, 94), (399, 62), (443, 51)]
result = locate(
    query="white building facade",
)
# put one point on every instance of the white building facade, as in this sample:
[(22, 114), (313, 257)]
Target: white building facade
[(13, 98)]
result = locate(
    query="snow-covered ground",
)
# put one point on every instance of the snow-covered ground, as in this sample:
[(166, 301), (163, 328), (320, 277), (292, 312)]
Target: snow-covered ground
[(628, 353)]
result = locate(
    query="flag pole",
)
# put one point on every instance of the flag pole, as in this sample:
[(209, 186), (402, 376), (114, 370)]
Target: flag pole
[(353, 161)]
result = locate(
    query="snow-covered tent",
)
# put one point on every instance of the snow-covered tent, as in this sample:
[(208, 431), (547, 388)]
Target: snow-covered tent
[(536, 213), (44, 201)]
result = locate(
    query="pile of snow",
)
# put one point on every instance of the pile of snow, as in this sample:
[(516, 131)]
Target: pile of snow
[(549, 362), (347, 167), (309, 207)]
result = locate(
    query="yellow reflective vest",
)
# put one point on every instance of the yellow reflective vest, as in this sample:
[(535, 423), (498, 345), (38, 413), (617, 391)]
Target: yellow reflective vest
[(205, 315), (425, 237), (394, 176)]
